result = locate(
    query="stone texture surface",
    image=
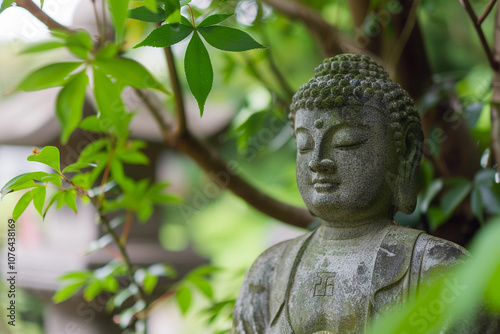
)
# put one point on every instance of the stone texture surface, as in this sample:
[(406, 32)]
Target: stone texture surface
[(359, 143)]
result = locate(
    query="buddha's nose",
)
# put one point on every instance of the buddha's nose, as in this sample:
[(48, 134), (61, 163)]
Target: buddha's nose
[(324, 166)]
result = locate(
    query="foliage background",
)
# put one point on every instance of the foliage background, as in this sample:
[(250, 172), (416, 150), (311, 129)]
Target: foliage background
[(443, 65)]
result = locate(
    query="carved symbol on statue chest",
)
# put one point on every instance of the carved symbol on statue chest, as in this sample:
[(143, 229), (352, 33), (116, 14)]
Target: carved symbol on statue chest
[(323, 284)]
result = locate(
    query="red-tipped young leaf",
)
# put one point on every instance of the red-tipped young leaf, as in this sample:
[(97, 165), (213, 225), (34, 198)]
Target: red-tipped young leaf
[(70, 104), (229, 39), (166, 35), (199, 73)]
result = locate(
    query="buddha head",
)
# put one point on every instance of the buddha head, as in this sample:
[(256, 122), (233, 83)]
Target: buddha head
[(359, 141)]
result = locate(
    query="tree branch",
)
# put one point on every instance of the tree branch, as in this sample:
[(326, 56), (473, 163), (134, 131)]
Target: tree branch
[(180, 110), (326, 35), (40, 15), (479, 30), (486, 11), (495, 104)]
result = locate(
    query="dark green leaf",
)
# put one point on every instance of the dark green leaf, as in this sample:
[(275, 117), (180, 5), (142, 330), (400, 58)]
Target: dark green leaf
[(436, 217), (49, 156), (172, 11), (22, 179), (183, 297), (69, 104), (52, 75), (67, 291), (166, 35), (6, 4), (39, 199), (119, 13), (455, 196), (22, 204), (70, 199), (476, 204), (186, 21), (229, 39), (130, 73), (432, 190), (144, 14), (76, 167), (198, 68), (214, 19), (185, 2), (43, 47)]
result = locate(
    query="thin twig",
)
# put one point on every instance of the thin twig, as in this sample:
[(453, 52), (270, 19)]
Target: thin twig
[(156, 113), (98, 22), (398, 48), (486, 11), (41, 15), (479, 30), (126, 227), (176, 87)]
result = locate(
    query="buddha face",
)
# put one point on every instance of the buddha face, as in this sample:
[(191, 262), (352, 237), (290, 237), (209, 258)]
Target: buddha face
[(346, 160)]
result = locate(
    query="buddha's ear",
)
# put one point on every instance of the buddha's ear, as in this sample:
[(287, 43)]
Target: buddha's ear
[(405, 192)]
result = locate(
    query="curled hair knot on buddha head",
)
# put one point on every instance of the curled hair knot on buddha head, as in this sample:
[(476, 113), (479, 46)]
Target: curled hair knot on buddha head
[(351, 79), (356, 80)]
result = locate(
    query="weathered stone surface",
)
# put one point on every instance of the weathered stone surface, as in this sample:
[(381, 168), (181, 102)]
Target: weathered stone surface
[(359, 143)]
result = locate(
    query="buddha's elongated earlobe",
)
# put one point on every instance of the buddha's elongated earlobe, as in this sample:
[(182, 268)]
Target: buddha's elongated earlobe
[(405, 192)]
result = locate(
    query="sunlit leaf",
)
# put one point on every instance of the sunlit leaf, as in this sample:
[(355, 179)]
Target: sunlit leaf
[(119, 13), (70, 199), (92, 290), (39, 199), (229, 39), (69, 104), (183, 297), (172, 11), (44, 46), (76, 167), (55, 198), (198, 68), (6, 4), (203, 285), (150, 4), (52, 75), (214, 19), (80, 43), (49, 156), (67, 291), (22, 179), (166, 35)]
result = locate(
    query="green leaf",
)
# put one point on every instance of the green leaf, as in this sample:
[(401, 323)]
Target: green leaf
[(149, 283), (93, 150), (95, 124), (133, 158), (166, 35), (52, 75), (67, 291), (119, 13), (76, 167), (49, 156), (108, 52), (214, 19), (125, 294), (39, 199), (203, 285), (144, 212), (75, 276), (52, 178), (143, 14), (172, 11), (436, 217), (432, 190), (22, 204), (130, 73), (109, 103), (6, 4), (80, 43), (55, 198), (229, 39), (198, 68), (70, 199), (183, 297), (455, 196), (39, 47), (92, 290), (161, 269), (186, 21), (69, 104), (150, 4), (185, 2), (20, 180), (476, 204)]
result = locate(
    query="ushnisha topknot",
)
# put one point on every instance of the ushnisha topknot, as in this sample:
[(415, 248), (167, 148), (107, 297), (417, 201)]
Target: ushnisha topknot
[(351, 79)]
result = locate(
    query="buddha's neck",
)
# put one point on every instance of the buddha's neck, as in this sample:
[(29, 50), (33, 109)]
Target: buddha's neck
[(331, 231)]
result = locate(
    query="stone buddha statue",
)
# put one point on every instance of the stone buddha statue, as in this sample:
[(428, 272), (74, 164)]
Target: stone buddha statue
[(359, 141)]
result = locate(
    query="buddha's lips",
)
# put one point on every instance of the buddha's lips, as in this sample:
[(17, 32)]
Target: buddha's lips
[(325, 185)]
